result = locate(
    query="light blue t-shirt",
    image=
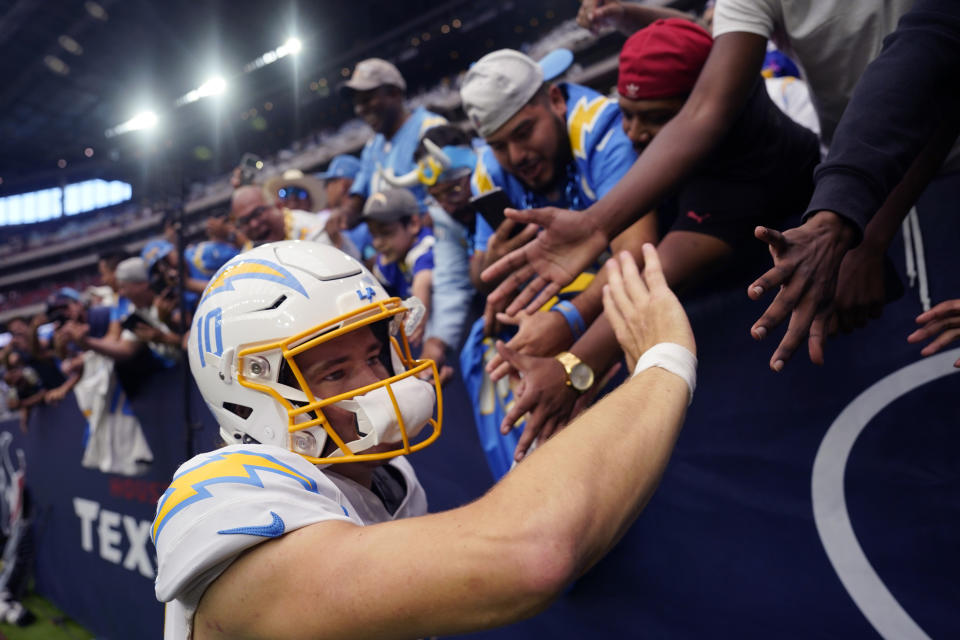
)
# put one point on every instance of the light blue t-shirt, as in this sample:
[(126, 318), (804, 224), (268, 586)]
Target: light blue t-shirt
[(122, 309), (203, 260), (396, 153)]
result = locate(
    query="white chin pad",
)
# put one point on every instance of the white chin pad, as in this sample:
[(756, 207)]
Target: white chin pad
[(377, 419)]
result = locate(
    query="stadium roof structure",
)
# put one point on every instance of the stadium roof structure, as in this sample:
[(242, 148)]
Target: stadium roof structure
[(73, 70)]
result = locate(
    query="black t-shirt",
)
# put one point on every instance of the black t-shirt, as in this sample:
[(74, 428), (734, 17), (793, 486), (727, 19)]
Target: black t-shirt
[(760, 173)]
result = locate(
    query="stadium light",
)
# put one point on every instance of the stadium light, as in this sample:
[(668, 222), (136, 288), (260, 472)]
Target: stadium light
[(291, 47), (143, 120), (212, 87)]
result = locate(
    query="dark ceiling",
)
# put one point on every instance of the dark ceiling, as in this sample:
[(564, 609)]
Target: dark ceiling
[(71, 69)]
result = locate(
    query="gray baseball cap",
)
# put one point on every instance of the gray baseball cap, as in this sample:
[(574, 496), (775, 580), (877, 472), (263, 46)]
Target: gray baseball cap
[(500, 83), (497, 87), (370, 74), (391, 205)]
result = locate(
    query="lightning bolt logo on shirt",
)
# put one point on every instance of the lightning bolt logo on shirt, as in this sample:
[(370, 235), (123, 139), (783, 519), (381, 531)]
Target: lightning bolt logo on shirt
[(482, 182), (582, 119), (198, 258), (236, 467), (256, 270)]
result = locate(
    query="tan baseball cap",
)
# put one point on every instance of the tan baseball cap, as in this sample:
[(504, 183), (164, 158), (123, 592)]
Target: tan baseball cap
[(372, 73)]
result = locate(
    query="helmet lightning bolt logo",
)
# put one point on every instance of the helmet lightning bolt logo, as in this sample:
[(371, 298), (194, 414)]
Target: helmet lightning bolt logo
[(582, 120), (255, 270), (236, 467)]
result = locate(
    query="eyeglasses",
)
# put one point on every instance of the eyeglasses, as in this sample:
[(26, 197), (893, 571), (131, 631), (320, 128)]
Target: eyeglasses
[(292, 193), (245, 221), (443, 191)]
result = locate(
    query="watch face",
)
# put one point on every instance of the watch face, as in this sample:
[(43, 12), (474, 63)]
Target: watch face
[(581, 377)]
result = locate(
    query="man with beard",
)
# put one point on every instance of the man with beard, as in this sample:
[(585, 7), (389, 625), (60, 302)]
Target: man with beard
[(761, 173), (550, 144)]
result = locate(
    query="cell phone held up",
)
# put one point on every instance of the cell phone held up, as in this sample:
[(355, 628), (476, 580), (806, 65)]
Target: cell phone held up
[(490, 205), (132, 321), (250, 165)]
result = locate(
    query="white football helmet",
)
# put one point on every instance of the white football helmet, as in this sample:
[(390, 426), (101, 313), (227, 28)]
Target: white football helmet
[(268, 304)]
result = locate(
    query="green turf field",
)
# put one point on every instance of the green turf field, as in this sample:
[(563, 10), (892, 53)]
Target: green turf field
[(50, 624)]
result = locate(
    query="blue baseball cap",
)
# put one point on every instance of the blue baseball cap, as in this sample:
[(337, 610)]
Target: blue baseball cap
[(61, 296), (68, 293), (154, 250), (555, 63), (344, 166)]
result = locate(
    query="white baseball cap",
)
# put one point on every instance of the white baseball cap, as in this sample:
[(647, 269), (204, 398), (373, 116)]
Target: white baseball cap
[(132, 270)]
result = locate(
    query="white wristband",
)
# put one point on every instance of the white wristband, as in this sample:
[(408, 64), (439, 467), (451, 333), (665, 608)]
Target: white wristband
[(674, 358)]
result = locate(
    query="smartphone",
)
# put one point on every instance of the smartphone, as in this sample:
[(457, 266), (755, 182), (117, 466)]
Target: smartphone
[(250, 164), (132, 321), (490, 205)]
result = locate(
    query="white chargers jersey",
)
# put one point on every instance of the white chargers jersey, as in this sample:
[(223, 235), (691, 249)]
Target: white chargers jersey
[(223, 502)]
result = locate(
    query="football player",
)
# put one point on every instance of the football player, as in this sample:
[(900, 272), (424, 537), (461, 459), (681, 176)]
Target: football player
[(311, 524)]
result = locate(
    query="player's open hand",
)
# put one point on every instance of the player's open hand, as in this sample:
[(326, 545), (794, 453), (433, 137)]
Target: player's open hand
[(642, 309)]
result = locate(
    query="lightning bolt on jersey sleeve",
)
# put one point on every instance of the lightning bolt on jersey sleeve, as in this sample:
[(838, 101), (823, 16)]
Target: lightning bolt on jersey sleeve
[(223, 502)]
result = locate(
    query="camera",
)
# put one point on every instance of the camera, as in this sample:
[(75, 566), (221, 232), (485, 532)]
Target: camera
[(250, 164), (57, 313), (158, 281)]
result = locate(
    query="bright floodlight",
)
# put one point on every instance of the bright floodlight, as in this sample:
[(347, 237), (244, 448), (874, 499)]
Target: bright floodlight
[(293, 46), (212, 87), (143, 120)]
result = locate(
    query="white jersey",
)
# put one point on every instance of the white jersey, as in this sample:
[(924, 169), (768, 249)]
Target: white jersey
[(114, 442), (223, 502)]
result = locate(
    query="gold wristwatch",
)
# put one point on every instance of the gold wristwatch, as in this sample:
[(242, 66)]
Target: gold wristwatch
[(579, 373)]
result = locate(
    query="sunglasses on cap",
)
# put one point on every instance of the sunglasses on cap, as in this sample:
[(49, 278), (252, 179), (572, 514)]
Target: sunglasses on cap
[(295, 193)]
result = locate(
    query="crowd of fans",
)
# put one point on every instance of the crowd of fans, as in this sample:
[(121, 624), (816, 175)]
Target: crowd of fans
[(495, 231), (698, 153)]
